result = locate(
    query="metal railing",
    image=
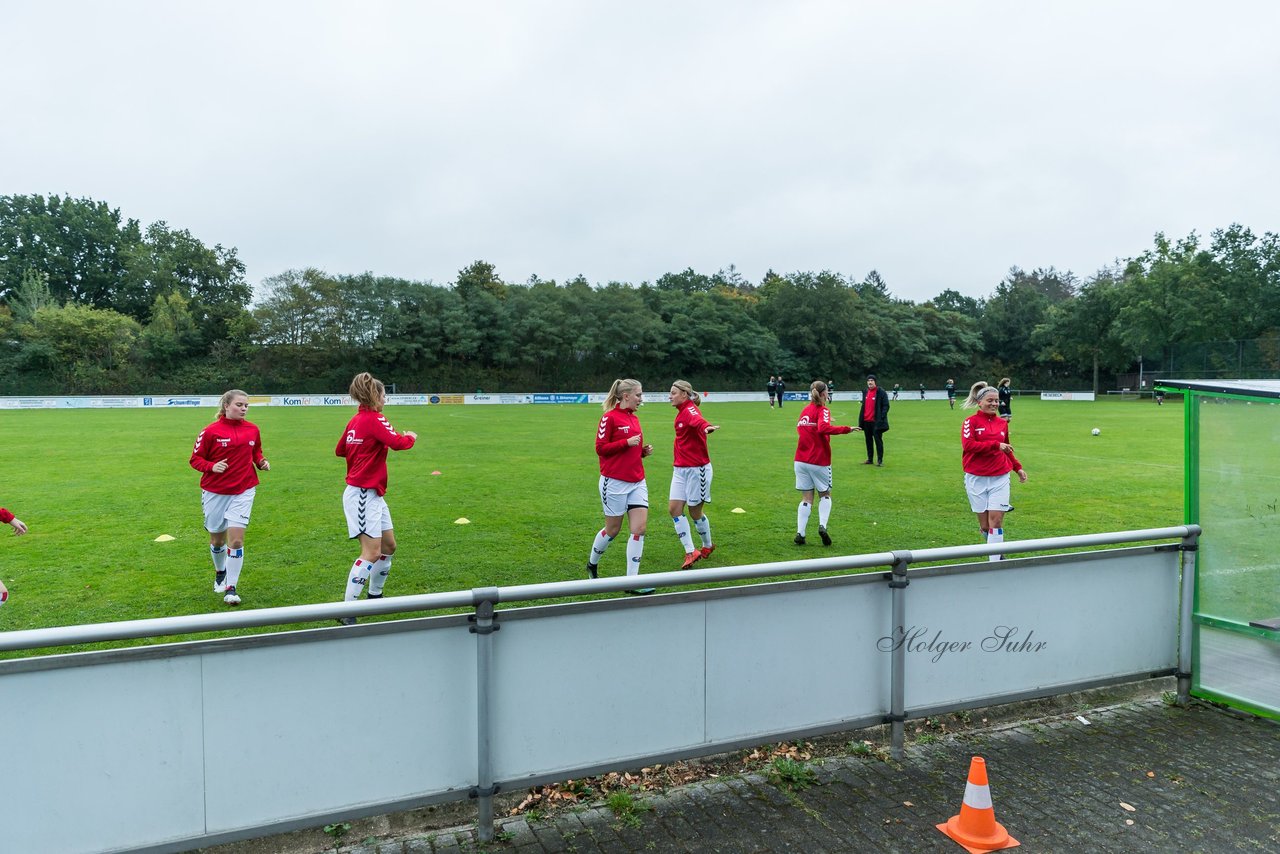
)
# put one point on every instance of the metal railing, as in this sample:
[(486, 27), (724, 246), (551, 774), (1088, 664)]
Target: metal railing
[(698, 651)]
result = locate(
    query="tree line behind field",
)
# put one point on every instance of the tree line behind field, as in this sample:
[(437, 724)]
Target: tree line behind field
[(94, 303)]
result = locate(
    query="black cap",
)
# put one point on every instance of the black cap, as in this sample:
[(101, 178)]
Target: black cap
[(871, 376)]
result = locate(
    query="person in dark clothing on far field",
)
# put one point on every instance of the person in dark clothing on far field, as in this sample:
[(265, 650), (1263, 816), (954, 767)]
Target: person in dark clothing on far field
[(873, 420)]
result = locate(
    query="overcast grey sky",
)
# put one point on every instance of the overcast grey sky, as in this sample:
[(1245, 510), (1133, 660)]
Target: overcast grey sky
[(936, 142)]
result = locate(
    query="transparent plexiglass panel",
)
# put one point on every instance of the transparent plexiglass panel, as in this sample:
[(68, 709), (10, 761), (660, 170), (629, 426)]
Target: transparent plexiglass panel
[(1239, 503)]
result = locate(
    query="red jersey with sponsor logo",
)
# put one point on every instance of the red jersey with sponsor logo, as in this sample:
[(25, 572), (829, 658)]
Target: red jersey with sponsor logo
[(980, 439), (691, 437), (364, 443), (619, 460), (236, 441), (815, 430)]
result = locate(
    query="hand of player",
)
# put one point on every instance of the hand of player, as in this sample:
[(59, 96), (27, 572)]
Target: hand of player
[(19, 527), (633, 441), (646, 450), (1022, 476), (220, 466), (711, 428), (412, 435), (857, 429), (264, 466)]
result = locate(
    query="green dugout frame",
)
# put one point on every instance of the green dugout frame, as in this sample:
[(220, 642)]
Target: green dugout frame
[(1232, 491)]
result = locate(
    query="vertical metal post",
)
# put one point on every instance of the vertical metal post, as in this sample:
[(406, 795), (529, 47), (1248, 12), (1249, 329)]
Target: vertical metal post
[(1190, 546), (483, 628), (898, 667)]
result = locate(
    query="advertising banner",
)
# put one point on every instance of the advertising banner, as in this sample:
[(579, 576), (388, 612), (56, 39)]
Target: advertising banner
[(489, 399), (194, 400), (311, 400), (562, 398), (1066, 395)]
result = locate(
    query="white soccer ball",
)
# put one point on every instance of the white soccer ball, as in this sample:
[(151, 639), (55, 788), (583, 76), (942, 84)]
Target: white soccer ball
[(1095, 431)]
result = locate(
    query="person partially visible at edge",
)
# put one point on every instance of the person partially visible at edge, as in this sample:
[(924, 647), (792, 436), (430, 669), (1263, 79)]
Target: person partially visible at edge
[(1005, 407), (987, 459), (813, 461), (691, 473), (951, 393), (623, 491), (364, 445), (873, 421), (772, 387), (19, 528), (229, 454), (782, 387)]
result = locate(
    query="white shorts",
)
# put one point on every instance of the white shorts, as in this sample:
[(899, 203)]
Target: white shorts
[(988, 492), (809, 476), (619, 496), (226, 511), (367, 512), (691, 484)]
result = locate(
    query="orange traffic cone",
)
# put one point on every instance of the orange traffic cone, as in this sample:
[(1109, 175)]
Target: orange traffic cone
[(976, 828)]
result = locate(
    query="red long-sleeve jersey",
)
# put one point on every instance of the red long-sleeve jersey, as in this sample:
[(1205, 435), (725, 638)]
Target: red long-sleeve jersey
[(236, 441), (980, 439), (364, 444), (815, 430), (691, 437), (5, 516), (619, 460)]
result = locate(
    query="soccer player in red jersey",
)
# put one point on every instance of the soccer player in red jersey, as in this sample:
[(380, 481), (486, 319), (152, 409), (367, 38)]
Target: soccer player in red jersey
[(691, 475), (364, 444), (987, 459), (813, 460), (229, 454), (623, 492), (18, 530)]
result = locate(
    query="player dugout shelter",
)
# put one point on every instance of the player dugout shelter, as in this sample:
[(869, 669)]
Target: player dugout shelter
[(1232, 472)]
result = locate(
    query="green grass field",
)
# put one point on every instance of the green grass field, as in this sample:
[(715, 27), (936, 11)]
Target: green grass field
[(97, 487)]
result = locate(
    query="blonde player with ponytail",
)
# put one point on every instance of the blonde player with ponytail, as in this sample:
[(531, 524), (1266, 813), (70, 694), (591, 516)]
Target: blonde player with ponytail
[(621, 448), (691, 475), (987, 459)]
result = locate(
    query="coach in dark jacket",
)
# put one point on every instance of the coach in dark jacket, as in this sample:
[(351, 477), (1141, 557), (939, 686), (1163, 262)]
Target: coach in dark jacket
[(873, 421)]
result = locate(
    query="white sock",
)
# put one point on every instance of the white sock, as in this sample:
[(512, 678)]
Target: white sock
[(682, 531), (235, 563), (356, 580), (635, 548), (378, 575), (219, 554), (996, 535), (824, 510), (598, 547), (802, 517), (704, 530)]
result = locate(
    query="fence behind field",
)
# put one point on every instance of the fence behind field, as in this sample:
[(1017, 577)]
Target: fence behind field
[(179, 745)]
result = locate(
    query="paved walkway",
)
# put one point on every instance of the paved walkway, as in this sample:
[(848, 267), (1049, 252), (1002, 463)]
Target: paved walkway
[(1138, 777)]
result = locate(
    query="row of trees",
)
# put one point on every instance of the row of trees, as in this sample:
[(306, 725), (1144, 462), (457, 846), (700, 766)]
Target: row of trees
[(92, 303)]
